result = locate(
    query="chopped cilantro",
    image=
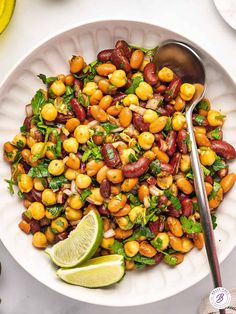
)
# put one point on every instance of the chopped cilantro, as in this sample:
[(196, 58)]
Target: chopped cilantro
[(157, 243), (37, 102), (108, 127), (40, 171), (189, 226), (213, 220), (23, 128), (135, 83), (141, 231), (174, 200), (57, 182), (10, 185), (216, 134), (199, 119), (170, 260), (218, 164), (222, 116), (55, 210), (168, 126), (132, 158), (216, 187), (203, 104), (143, 259), (155, 167), (84, 194), (92, 151), (47, 80)]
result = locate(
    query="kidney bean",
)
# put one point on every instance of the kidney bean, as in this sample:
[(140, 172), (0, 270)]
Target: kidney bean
[(181, 196), (137, 168), (105, 55), (103, 210), (25, 165), (222, 172), (187, 207), (37, 195), (110, 155), (151, 180), (162, 200), (158, 137), (121, 44), (139, 123), (173, 212), (78, 109), (208, 179), (158, 257), (105, 188), (38, 136), (27, 123), (202, 122), (224, 149), (168, 168), (129, 83), (78, 86), (44, 222), (63, 118), (156, 226), (150, 73), (181, 141), (61, 236), (117, 98), (29, 196), (119, 59), (171, 143), (34, 226), (162, 111), (173, 89), (25, 218), (175, 162), (170, 109)]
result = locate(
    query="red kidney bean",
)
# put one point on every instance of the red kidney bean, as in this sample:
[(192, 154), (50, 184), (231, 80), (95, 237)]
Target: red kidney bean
[(171, 143), (168, 168), (150, 73), (25, 165), (44, 222), (181, 141), (119, 59), (37, 195), (103, 210), (222, 172), (187, 207), (151, 180), (105, 188), (34, 226), (142, 104), (181, 196), (224, 149), (208, 179), (110, 155), (173, 89), (137, 168), (158, 137), (156, 226), (105, 55), (25, 218), (139, 123), (158, 257), (121, 44), (78, 109), (129, 83), (162, 200), (27, 123), (63, 118), (118, 98), (170, 109), (196, 121), (175, 162), (78, 86), (162, 111), (38, 136), (161, 89), (61, 236), (173, 212), (29, 196)]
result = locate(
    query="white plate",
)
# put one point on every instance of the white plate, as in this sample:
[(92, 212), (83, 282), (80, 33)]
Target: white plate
[(138, 287), (227, 9)]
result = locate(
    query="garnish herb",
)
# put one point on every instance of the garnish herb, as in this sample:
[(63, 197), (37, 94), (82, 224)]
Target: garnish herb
[(92, 151), (174, 200), (57, 182), (84, 194), (10, 185), (216, 134), (40, 171), (135, 83), (189, 226), (47, 80), (141, 231), (38, 101), (203, 104), (213, 220), (108, 127), (155, 167), (199, 119), (215, 189), (55, 210), (132, 158)]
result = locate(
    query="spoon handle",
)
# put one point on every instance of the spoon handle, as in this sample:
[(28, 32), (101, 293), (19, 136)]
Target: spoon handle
[(203, 204)]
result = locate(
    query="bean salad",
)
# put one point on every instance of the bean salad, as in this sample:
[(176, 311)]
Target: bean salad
[(111, 136)]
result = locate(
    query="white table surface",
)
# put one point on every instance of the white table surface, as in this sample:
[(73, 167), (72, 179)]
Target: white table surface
[(35, 20)]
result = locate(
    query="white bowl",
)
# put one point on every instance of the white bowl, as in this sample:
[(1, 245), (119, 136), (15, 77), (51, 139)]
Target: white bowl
[(50, 58)]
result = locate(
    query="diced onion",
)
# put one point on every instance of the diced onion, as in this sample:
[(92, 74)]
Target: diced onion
[(155, 191), (29, 110), (109, 233)]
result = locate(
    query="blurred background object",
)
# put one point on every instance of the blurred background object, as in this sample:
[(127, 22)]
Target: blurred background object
[(6, 11)]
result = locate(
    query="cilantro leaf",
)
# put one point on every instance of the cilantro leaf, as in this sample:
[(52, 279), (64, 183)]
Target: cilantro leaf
[(118, 248), (135, 83), (57, 182), (205, 171), (92, 151), (218, 164), (144, 260), (221, 116), (37, 101), (40, 171), (216, 187), (174, 200), (157, 243), (203, 104), (141, 231), (170, 260), (84, 194), (132, 158), (189, 226), (55, 210), (10, 185), (47, 80), (134, 200), (216, 134), (168, 126), (155, 167), (199, 119), (213, 220), (108, 127)]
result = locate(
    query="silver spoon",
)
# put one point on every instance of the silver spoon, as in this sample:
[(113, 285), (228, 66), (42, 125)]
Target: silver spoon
[(187, 64)]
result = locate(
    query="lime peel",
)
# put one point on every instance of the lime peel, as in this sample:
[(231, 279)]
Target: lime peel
[(6, 11)]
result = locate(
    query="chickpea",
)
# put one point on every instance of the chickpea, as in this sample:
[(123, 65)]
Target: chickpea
[(122, 234), (92, 167), (19, 141), (105, 102), (58, 88), (227, 182), (61, 77), (96, 197), (150, 116), (136, 212), (49, 151), (208, 188), (106, 224), (49, 112), (207, 156), (105, 86), (202, 140), (144, 91), (102, 174), (69, 80), (145, 62), (56, 167), (83, 181), (166, 75), (75, 202), (129, 265), (185, 163), (131, 248), (174, 189), (199, 129), (162, 239), (124, 155), (130, 99), (107, 242), (160, 155), (72, 124), (30, 141), (26, 203), (90, 88), (175, 226), (71, 145), (215, 118), (50, 235), (39, 240), (73, 214), (198, 240), (179, 104), (187, 245), (49, 197), (115, 110), (96, 97), (115, 175), (24, 226), (124, 223), (147, 249), (10, 152), (215, 201), (175, 242), (59, 225), (145, 140), (73, 162), (115, 204), (187, 91), (38, 149), (98, 113), (123, 211), (158, 125), (118, 78), (37, 210), (142, 192), (70, 174), (178, 121), (129, 184), (76, 64), (136, 59), (105, 69), (165, 182), (81, 134), (184, 185), (125, 117), (25, 183)]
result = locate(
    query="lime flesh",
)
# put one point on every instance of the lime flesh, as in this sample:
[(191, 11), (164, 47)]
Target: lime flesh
[(81, 244), (96, 273), (6, 11)]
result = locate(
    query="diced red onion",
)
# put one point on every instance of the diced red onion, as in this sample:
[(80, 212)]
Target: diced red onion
[(29, 110), (109, 233)]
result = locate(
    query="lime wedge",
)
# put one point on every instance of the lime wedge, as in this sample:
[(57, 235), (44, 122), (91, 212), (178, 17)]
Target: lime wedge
[(98, 272), (6, 10), (81, 244)]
